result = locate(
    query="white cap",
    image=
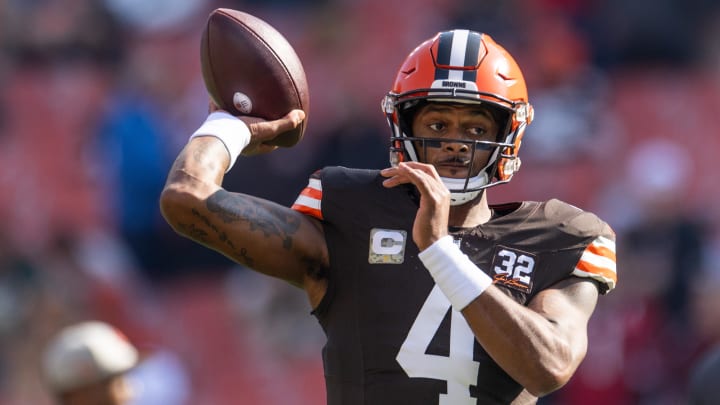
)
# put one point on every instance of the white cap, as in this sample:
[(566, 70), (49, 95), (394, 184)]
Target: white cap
[(86, 353)]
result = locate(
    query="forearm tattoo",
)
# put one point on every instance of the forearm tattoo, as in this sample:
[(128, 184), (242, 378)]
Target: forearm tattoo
[(201, 235)]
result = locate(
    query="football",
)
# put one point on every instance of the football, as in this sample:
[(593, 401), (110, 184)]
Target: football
[(249, 68)]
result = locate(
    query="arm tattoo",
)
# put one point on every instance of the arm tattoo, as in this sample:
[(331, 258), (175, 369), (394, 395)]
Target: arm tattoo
[(266, 217), (201, 236), (194, 232)]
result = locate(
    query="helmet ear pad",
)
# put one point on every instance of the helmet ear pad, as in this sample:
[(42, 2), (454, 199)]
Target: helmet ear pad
[(406, 115), (503, 118)]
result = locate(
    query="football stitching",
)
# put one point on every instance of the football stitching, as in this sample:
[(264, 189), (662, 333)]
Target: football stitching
[(268, 47)]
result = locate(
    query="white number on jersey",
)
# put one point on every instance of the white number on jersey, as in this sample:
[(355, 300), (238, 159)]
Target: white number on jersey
[(458, 369)]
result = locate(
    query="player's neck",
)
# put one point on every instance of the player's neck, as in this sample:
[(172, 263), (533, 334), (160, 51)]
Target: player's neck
[(470, 214)]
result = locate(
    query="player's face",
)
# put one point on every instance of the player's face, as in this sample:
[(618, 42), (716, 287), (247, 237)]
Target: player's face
[(450, 123)]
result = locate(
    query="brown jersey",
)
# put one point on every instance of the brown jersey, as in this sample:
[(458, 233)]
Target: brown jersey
[(392, 336)]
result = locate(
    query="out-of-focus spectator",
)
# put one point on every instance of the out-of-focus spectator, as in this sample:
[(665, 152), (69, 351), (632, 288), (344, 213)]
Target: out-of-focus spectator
[(704, 309), (569, 92), (646, 33), (87, 364), (59, 59), (70, 279), (54, 31), (161, 378), (94, 363), (156, 94), (664, 239), (645, 337), (155, 16)]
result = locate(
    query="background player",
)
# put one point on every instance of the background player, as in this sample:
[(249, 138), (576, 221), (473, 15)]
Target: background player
[(426, 293)]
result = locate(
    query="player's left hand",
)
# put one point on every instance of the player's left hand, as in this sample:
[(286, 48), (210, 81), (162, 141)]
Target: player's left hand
[(431, 221)]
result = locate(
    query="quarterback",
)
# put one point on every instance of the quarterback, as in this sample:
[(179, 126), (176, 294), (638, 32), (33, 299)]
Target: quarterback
[(427, 293)]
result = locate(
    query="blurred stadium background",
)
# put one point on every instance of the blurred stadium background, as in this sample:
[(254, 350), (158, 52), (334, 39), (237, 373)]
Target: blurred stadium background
[(98, 96)]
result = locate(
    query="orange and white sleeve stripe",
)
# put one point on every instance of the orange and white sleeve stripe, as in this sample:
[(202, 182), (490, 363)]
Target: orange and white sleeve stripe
[(309, 200), (598, 262)]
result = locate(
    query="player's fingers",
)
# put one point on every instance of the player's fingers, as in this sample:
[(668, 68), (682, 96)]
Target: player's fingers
[(395, 176), (403, 169), (265, 130), (423, 180), (265, 148), (421, 175), (290, 121), (258, 148), (424, 167), (395, 181), (297, 117)]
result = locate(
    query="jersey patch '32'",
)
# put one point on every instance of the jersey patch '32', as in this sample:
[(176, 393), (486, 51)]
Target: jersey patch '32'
[(513, 268)]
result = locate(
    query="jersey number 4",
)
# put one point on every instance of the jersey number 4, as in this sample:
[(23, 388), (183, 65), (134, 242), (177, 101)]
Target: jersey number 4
[(458, 369)]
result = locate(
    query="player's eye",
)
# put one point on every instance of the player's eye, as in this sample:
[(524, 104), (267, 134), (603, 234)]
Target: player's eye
[(437, 126), (480, 133)]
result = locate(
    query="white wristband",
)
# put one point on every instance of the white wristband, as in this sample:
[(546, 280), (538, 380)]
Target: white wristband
[(230, 130), (458, 278)]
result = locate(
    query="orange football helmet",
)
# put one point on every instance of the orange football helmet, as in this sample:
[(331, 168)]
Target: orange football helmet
[(462, 66)]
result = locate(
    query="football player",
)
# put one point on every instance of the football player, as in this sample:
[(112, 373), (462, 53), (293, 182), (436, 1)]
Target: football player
[(426, 293)]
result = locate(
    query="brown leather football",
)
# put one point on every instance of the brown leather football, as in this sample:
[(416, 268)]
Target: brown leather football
[(249, 68)]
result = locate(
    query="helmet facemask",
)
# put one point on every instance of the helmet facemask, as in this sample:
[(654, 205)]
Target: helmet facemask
[(406, 147)]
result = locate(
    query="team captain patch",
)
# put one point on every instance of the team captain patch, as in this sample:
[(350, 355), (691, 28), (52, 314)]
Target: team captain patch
[(387, 246)]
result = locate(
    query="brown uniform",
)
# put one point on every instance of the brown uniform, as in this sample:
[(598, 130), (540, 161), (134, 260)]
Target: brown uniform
[(392, 337)]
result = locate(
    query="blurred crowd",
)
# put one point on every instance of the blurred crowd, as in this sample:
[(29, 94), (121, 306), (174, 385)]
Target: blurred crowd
[(98, 97)]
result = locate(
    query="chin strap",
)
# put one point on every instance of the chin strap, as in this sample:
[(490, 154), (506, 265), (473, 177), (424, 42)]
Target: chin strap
[(461, 197)]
